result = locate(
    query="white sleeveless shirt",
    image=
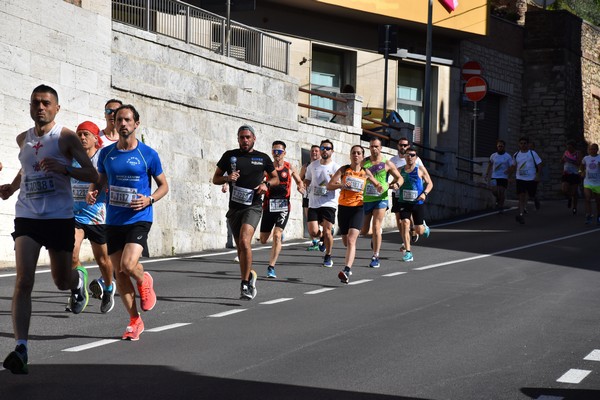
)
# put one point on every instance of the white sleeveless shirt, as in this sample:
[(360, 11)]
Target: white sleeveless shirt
[(43, 195)]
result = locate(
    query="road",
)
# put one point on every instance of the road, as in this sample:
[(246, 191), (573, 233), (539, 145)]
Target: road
[(489, 309)]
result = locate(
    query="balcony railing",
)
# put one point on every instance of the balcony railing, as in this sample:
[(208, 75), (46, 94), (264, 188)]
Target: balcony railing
[(202, 28)]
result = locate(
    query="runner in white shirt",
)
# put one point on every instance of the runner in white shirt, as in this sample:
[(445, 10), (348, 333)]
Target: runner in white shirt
[(110, 135), (497, 173), (527, 165), (590, 169), (322, 203)]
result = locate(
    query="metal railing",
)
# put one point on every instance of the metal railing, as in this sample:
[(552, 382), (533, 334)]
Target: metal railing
[(195, 26)]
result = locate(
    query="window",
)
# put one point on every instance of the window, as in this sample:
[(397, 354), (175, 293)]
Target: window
[(409, 97)]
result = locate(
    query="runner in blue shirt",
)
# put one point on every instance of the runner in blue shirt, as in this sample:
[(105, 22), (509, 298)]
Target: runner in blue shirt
[(126, 168)]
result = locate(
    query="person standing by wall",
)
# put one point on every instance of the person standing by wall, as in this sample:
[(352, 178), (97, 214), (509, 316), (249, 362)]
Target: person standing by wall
[(245, 168), (571, 179), (44, 214)]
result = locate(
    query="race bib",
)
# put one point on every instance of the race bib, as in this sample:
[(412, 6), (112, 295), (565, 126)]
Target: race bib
[(354, 184), (278, 205), (371, 190), (39, 186), (320, 190), (242, 195), (79, 191), (410, 195), (122, 196)]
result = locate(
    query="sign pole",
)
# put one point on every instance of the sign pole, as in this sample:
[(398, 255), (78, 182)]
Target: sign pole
[(474, 130)]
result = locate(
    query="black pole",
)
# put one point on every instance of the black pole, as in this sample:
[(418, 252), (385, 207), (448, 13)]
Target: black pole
[(385, 72), (427, 94)]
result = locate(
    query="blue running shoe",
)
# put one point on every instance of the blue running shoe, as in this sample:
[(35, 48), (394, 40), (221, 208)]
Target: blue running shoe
[(80, 297), (407, 257), (16, 361), (271, 272), (427, 230), (322, 247), (97, 288), (374, 262), (327, 262)]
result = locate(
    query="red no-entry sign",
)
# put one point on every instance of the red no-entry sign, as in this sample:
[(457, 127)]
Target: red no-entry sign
[(471, 69), (476, 88)]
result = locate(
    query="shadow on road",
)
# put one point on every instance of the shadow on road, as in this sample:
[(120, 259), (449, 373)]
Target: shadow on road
[(154, 382)]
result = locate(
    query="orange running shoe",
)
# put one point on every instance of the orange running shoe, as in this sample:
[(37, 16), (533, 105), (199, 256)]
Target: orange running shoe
[(147, 295), (134, 329)]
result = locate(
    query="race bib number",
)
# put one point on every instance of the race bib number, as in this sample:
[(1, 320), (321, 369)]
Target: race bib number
[(122, 196), (242, 195), (278, 205), (79, 191), (410, 195), (320, 191), (371, 190), (354, 184), (39, 186)]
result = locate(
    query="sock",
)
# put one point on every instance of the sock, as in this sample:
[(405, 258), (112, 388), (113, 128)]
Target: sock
[(108, 288), (346, 269), (376, 255), (23, 342)]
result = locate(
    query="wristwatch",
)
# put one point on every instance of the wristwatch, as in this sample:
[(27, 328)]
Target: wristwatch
[(151, 200), (267, 184)]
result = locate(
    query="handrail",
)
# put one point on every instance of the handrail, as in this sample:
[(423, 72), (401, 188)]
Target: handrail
[(470, 172), (202, 28), (314, 92), (469, 160), (322, 109), (429, 148)]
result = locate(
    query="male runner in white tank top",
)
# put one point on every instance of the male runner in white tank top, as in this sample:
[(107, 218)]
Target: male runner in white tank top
[(44, 213)]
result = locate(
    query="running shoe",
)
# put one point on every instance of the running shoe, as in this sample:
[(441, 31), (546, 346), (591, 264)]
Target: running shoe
[(271, 272), (427, 230), (80, 297), (147, 294), (97, 288), (108, 300), (407, 257), (327, 262), (520, 219), (414, 238), (134, 329), (236, 259), (322, 247), (314, 246), (344, 275), (574, 211), (16, 361), (374, 262), (588, 219), (248, 289)]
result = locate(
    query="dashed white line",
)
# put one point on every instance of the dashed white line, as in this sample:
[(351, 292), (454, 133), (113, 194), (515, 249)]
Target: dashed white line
[(91, 345), (394, 274), (320, 291), (167, 327), (226, 313), (593, 356), (277, 300), (574, 376), (359, 281)]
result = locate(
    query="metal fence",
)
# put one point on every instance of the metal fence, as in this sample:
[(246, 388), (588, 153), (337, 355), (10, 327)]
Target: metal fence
[(201, 28)]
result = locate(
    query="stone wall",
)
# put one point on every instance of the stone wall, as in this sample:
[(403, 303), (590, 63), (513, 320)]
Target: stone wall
[(590, 77)]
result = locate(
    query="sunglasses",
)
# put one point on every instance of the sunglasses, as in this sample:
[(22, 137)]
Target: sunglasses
[(278, 151), (109, 111), (323, 148), (411, 154), (403, 145)]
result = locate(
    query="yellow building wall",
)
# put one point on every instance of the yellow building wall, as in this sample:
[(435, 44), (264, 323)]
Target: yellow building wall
[(470, 15)]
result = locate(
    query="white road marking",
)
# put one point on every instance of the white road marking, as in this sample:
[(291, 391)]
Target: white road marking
[(226, 313), (167, 327), (320, 291), (471, 230), (91, 345), (359, 281), (593, 356), (574, 376), (394, 274), (277, 300), (504, 251)]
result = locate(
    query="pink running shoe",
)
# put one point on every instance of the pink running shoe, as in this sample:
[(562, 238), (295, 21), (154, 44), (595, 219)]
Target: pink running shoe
[(134, 329), (147, 295)]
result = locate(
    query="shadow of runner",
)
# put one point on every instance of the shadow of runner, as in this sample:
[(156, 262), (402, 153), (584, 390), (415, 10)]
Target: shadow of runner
[(58, 382)]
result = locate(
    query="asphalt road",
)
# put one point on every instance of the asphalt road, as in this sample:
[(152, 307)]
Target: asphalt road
[(489, 309)]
